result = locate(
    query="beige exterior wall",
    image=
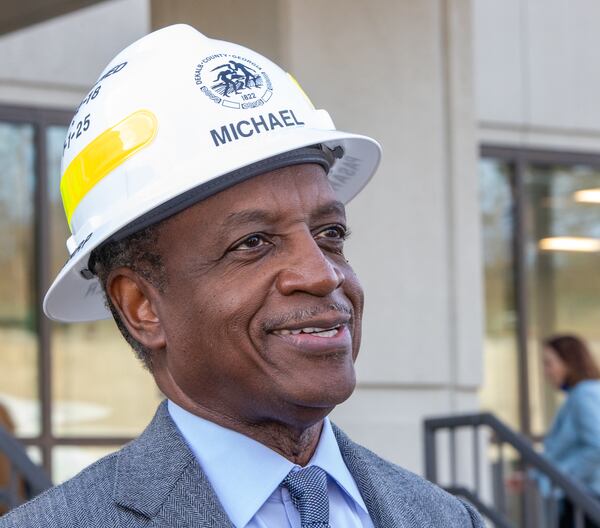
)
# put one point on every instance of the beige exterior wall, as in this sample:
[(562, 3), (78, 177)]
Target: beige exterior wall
[(401, 72), (537, 75)]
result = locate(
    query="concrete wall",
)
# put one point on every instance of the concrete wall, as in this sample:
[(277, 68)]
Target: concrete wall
[(401, 72), (537, 73), (53, 64)]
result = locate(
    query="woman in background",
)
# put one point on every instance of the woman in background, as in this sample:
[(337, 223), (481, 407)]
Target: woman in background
[(573, 442)]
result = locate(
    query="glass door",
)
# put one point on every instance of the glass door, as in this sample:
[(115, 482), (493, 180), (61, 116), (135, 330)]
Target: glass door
[(500, 391), (562, 248), (541, 242), (540, 214)]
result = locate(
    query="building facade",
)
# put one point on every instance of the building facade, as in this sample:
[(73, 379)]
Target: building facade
[(485, 142)]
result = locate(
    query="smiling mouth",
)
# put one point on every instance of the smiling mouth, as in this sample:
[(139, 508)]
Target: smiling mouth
[(313, 330)]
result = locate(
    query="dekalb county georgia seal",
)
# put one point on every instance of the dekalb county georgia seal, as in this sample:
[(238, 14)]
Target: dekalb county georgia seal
[(233, 81)]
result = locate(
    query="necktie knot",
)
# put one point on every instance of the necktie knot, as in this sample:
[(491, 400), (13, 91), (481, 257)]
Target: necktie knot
[(308, 490)]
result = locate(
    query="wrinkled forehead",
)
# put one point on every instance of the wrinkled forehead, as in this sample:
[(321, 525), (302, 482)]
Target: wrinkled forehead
[(300, 192)]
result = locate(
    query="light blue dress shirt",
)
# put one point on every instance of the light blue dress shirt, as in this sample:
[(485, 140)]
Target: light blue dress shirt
[(246, 476)]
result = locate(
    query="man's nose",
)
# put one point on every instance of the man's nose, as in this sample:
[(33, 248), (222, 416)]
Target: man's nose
[(308, 269)]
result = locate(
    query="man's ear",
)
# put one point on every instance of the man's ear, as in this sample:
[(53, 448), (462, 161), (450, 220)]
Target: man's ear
[(135, 299)]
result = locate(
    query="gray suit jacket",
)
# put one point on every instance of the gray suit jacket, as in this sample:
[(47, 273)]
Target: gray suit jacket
[(155, 482)]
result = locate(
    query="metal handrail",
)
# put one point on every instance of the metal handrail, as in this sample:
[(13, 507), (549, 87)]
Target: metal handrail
[(33, 476), (574, 491)]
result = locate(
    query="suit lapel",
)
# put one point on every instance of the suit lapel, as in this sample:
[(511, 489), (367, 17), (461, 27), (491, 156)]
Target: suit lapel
[(192, 503), (157, 477), (388, 505)]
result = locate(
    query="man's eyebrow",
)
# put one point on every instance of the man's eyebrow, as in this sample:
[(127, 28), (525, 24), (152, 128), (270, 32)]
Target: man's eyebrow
[(250, 216), (335, 207), (245, 217)]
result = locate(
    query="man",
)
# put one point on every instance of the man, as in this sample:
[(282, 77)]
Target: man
[(215, 228)]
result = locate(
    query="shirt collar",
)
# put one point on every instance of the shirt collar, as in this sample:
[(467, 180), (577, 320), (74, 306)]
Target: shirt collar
[(328, 457), (238, 466)]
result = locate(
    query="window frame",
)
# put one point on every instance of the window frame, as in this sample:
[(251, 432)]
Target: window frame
[(40, 119)]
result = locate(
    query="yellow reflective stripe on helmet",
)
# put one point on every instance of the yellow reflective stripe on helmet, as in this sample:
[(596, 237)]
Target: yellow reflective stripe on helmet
[(103, 154)]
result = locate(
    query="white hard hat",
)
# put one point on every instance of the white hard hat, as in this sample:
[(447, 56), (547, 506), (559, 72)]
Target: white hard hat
[(174, 118)]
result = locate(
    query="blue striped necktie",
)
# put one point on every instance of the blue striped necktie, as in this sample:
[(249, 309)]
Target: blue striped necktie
[(308, 490)]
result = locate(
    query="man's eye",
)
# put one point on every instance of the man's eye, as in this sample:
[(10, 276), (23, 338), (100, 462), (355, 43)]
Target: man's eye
[(333, 232), (251, 242)]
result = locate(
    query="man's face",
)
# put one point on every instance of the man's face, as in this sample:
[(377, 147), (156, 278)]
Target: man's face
[(261, 311)]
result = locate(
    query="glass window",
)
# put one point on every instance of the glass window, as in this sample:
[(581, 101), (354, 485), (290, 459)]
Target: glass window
[(18, 376), (97, 390), (67, 461), (99, 387), (499, 390), (59, 229)]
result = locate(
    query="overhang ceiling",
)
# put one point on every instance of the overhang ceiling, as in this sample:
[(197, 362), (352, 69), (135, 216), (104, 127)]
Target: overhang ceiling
[(18, 14)]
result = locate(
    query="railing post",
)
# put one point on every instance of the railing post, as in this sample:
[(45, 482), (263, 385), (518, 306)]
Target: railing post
[(531, 509), (452, 448), (430, 453), (578, 514), (498, 476), (476, 461)]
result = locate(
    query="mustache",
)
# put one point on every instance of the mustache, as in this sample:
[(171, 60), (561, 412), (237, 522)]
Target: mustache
[(305, 313)]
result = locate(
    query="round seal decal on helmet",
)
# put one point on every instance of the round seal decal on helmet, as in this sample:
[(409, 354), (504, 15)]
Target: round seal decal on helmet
[(233, 81)]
